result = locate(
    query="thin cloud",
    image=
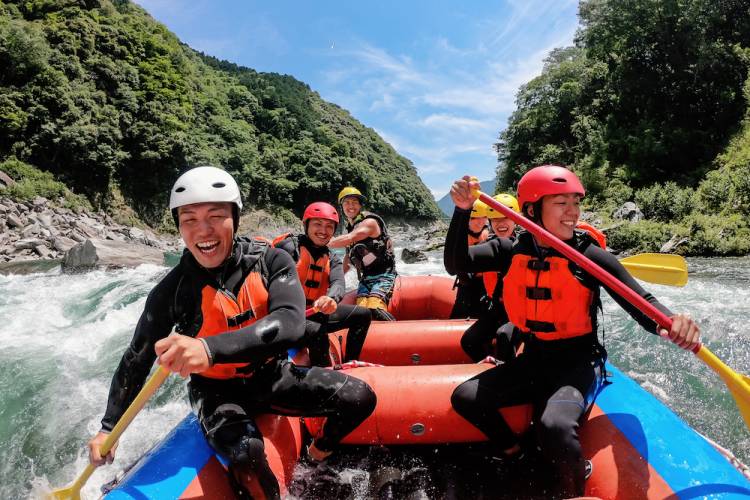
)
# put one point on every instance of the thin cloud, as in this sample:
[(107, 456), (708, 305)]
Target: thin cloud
[(435, 168), (453, 123), (503, 79), (401, 68)]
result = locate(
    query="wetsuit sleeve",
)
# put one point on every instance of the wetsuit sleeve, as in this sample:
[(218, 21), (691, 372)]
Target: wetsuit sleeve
[(287, 245), (337, 282), (281, 329), (155, 323), (613, 266), (459, 258)]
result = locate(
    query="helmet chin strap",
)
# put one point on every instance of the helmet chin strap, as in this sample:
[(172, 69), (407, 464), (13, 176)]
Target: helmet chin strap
[(537, 219)]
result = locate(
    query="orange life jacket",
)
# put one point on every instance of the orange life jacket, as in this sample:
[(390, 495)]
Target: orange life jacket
[(490, 282), (545, 298), (223, 313), (483, 235), (598, 235), (313, 274), (476, 240)]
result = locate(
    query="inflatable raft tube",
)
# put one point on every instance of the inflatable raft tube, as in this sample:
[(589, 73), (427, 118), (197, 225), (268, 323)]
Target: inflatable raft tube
[(418, 297)]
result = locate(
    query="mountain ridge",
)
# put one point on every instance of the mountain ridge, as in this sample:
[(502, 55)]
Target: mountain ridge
[(112, 103)]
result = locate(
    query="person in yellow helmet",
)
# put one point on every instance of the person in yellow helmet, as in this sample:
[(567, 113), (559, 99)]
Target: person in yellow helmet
[(470, 297), (491, 334), (502, 226), (370, 250)]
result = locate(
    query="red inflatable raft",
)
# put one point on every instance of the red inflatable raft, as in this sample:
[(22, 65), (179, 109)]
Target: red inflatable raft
[(639, 448)]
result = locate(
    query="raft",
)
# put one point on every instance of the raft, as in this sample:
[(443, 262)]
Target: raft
[(639, 448)]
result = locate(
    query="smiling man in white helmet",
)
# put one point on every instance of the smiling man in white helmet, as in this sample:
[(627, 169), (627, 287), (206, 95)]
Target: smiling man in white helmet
[(237, 306)]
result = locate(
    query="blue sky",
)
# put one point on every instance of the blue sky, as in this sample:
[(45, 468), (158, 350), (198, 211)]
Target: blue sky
[(436, 79)]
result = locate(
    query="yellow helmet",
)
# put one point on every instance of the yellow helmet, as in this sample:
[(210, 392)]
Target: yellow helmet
[(479, 209), (507, 200), (351, 191)]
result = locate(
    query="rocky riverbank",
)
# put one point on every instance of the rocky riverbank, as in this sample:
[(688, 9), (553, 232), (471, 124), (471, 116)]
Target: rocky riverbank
[(44, 230), (41, 233)]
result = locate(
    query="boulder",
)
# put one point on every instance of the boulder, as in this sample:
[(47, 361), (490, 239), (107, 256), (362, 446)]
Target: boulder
[(5, 180), (39, 203), (411, 256), (14, 221), (628, 211), (63, 243), (108, 254), (29, 243), (673, 243)]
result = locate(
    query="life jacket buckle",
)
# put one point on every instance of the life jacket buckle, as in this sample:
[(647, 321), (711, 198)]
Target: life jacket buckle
[(240, 318), (535, 293), (538, 265)]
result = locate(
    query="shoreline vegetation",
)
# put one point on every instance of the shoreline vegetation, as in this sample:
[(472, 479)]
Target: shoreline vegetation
[(101, 108), (649, 106)]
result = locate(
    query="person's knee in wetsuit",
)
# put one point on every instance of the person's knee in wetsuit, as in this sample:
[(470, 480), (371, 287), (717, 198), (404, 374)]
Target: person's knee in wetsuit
[(237, 439), (233, 433), (477, 340), (356, 319), (470, 298)]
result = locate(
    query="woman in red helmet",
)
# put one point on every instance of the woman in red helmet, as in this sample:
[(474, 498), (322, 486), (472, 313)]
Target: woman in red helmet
[(322, 276), (554, 303)]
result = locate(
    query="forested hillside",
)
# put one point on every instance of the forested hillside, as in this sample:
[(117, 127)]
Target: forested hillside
[(110, 102), (650, 106)]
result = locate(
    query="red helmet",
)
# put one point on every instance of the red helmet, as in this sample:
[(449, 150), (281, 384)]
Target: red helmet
[(546, 180), (320, 210)]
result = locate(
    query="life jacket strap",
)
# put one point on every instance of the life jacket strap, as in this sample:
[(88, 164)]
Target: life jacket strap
[(312, 284), (240, 318), (538, 265), (540, 326), (535, 293)]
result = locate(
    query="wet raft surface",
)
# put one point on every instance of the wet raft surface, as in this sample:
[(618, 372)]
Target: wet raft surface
[(425, 472)]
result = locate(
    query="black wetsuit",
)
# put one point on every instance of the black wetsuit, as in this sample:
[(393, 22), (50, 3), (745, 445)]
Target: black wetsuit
[(317, 327), (226, 408), (470, 294), (559, 377), (490, 335)]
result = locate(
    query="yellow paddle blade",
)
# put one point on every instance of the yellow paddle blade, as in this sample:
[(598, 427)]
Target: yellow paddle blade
[(660, 268), (738, 384), (73, 492)]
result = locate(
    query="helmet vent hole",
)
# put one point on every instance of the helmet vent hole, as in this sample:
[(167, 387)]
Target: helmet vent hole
[(218, 185), (179, 189), (559, 179)]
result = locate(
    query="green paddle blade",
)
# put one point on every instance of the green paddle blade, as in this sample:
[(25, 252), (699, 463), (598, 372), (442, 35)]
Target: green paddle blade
[(659, 268)]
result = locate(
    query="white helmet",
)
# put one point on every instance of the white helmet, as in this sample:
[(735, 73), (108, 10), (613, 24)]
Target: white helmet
[(205, 185), (202, 185)]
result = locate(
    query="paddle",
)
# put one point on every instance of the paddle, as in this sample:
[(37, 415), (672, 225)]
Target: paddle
[(73, 492), (738, 385), (659, 268)]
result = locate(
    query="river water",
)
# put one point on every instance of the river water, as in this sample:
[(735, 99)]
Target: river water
[(61, 337)]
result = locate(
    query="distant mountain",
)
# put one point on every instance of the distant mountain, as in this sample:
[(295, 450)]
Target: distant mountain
[(446, 204)]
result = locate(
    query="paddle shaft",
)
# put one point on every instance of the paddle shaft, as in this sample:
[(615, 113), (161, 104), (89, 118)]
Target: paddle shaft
[(151, 386), (148, 390)]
